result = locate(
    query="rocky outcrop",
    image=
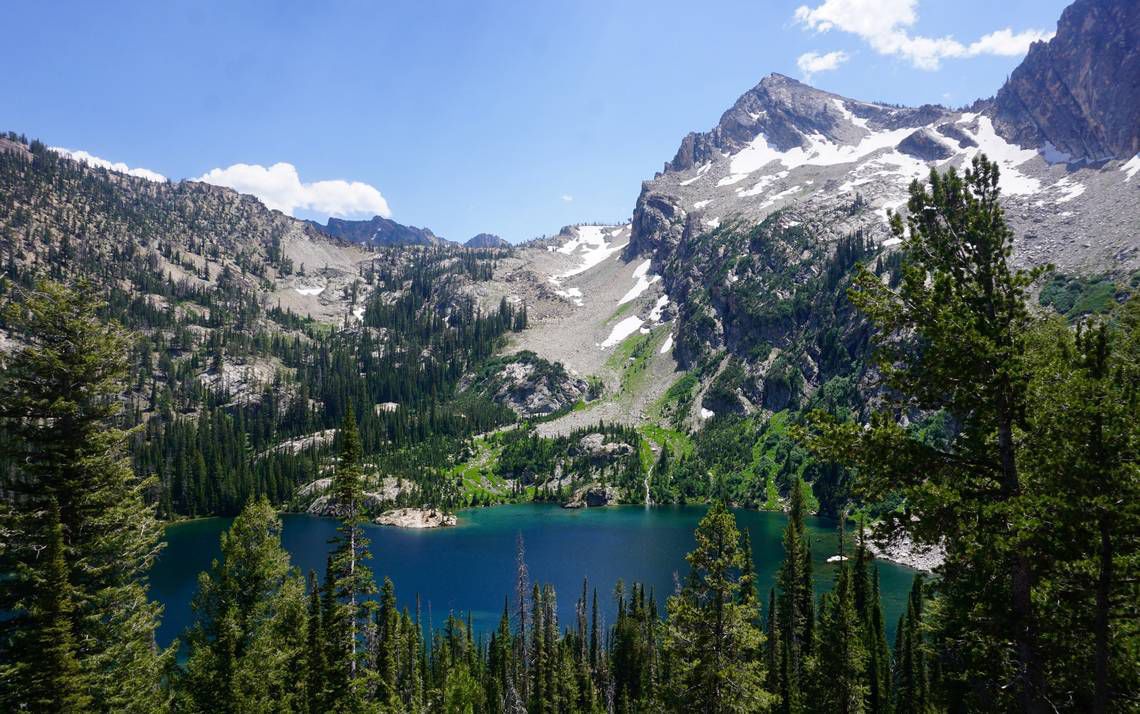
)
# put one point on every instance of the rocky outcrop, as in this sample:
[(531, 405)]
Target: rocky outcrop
[(902, 550), (326, 505), (597, 449), (593, 496), (416, 518), (1078, 95), (529, 385), (241, 380), (487, 240), (309, 441), (952, 131), (922, 144)]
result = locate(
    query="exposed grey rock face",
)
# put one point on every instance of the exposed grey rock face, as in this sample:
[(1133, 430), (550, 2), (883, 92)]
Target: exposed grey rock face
[(922, 144), (593, 496), (952, 131), (595, 446), (748, 213), (529, 385), (378, 231), (416, 518), (823, 135), (487, 240), (785, 111), (1079, 92)]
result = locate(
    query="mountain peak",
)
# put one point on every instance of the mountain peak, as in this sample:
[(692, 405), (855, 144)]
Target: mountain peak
[(486, 240), (775, 79), (1078, 95), (788, 113)]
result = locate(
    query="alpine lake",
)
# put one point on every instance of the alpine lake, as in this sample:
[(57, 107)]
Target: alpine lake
[(469, 569)]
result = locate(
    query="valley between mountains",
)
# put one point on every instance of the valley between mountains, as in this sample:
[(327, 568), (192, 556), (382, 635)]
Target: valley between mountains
[(660, 360)]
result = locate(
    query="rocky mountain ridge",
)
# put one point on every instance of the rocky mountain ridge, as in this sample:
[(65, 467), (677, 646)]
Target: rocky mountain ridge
[(753, 221), (378, 232), (1078, 95)]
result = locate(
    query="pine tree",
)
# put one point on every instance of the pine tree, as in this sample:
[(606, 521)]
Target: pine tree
[(58, 405), (868, 607), (879, 657), (710, 639), (1079, 453), (55, 680), (796, 603), (244, 653), (349, 582), (911, 695), (387, 646), (952, 338), (840, 662), (316, 667), (749, 597), (774, 648)]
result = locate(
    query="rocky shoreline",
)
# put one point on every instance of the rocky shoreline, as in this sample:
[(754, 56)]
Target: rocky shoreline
[(903, 551)]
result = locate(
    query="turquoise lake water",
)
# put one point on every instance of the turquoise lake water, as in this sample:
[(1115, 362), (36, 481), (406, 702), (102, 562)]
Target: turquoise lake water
[(471, 567)]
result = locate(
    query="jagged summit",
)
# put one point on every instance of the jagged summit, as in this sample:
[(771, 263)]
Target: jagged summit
[(378, 231), (1079, 93), (1059, 130), (787, 112)]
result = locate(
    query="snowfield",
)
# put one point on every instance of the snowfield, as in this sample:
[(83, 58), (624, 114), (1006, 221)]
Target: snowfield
[(644, 280), (591, 245), (622, 330)]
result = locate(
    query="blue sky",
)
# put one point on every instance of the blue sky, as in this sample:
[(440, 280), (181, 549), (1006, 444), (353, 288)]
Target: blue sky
[(508, 117)]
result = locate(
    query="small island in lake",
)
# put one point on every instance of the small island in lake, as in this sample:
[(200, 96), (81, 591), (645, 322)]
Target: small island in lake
[(416, 518)]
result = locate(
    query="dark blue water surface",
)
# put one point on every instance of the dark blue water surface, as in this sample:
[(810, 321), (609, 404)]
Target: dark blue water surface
[(471, 567)]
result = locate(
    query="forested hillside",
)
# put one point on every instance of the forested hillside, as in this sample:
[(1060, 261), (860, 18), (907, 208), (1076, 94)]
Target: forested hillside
[(235, 395), (919, 325), (1031, 488)]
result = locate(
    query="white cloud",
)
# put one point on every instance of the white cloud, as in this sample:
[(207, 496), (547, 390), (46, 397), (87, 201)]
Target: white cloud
[(812, 63), (567, 198), (1005, 43), (280, 187), (883, 25), (92, 160)]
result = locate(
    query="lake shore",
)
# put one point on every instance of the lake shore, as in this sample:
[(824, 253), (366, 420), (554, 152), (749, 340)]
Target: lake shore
[(904, 551)]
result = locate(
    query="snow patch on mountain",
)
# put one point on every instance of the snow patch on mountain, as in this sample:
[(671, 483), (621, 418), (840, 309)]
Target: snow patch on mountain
[(572, 294), (591, 245), (622, 330), (1130, 167), (1069, 189), (1007, 156), (644, 280)]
